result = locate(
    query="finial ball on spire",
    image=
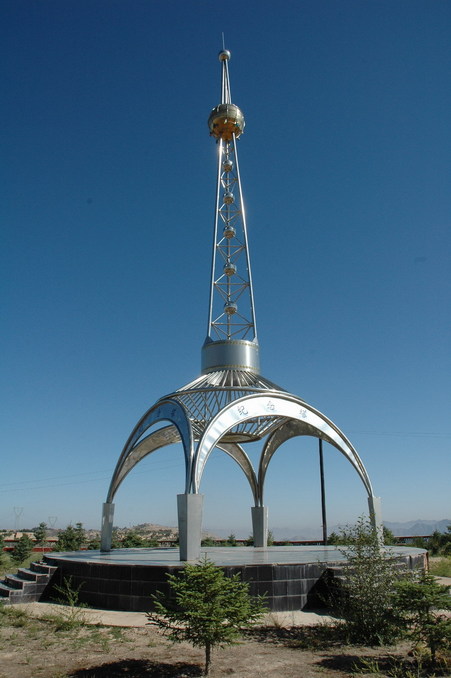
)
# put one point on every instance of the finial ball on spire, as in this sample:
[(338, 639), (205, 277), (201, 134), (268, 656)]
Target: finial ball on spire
[(225, 121), (224, 55)]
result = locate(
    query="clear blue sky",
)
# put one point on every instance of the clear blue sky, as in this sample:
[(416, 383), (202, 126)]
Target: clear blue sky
[(107, 177)]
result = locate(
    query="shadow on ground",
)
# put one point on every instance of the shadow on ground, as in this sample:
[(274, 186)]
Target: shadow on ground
[(303, 637), (139, 668)]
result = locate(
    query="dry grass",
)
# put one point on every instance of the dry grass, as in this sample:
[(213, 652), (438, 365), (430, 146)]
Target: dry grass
[(49, 648)]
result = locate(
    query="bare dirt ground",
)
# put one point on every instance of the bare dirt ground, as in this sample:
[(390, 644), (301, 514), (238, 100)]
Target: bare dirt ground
[(60, 647)]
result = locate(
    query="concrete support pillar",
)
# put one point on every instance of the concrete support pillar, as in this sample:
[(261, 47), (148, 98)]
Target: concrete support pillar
[(260, 525), (374, 505), (189, 508), (107, 527)]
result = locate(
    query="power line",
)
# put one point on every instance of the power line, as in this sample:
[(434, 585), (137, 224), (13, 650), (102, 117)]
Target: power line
[(401, 433), (15, 486), (34, 480)]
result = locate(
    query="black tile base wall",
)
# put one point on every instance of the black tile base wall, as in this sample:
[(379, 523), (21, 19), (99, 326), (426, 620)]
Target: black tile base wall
[(130, 587)]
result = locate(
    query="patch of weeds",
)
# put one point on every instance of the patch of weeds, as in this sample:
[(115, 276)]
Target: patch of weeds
[(73, 614), (117, 633), (67, 620), (47, 641), (416, 666), (12, 616), (367, 665), (388, 667), (77, 642), (441, 567), (69, 594), (97, 638), (356, 664), (100, 638), (12, 637), (274, 619)]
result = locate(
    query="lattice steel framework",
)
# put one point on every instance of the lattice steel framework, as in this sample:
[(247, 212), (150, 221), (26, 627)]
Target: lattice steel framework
[(230, 404), (231, 308)]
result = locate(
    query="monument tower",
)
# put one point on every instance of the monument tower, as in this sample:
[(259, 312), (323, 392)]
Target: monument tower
[(231, 403)]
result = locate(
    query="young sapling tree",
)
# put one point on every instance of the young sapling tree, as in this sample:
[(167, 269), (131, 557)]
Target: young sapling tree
[(205, 608)]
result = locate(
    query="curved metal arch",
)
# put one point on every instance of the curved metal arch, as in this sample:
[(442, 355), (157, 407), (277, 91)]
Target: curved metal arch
[(154, 441), (239, 455), (289, 429), (163, 410), (168, 436), (292, 429), (273, 404)]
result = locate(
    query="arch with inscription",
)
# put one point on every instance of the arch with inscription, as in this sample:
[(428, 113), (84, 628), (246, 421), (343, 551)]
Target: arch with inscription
[(302, 419)]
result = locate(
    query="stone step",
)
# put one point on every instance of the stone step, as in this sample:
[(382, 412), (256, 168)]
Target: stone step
[(27, 585), (8, 594), (14, 581), (30, 575), (43, 568)]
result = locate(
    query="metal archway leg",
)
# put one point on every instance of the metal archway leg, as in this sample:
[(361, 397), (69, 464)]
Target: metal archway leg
[(375, 508), (107, 527), (189, 508), (260, 525)]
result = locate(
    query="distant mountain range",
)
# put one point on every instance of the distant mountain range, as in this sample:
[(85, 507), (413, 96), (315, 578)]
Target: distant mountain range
[(418, 527), (411, 528)]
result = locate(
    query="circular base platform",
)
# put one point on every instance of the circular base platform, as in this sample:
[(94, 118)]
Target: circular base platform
[(291, 577)]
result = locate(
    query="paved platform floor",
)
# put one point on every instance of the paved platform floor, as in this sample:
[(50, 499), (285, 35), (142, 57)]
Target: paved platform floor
[(222, 555)]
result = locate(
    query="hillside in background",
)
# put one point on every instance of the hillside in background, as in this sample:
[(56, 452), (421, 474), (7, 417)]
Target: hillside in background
[(410, 528), (418, 527)]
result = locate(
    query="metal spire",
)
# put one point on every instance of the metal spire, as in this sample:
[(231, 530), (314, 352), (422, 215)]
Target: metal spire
[(231, 341)]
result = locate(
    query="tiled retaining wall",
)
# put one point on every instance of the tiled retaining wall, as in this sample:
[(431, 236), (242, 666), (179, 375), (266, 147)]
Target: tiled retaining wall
[(130, 586)]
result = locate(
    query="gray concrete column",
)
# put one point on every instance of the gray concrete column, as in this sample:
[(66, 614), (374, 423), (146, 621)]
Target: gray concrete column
[(107, 527), (374, 505), (260, 525), (189, 508)]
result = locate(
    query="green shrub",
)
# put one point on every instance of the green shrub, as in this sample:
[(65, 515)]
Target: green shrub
[(40, 534), (22, 550), (73, 615), (131, 540), (71, 539), (439, 543), (347, 536), (365, 597), (205, 608), (231, 540), (423, 602)]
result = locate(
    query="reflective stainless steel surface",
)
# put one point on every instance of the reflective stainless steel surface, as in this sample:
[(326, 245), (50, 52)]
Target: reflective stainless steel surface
[(230, 404)]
